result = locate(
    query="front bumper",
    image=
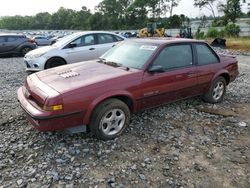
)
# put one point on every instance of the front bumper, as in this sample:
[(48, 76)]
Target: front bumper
[(35, 64), (48, 121)]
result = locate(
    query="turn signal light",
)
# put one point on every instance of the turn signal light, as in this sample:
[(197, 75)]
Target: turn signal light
[(53, 108)]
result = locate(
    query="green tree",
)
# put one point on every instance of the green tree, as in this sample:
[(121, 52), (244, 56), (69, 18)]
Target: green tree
[(232, 30), (231, 9), (174, 22), (41, 20), (137, 14), (97, 22), (208, 4), (154, 8), (81, 18), (173, 3), (114, 12), (62, 19)]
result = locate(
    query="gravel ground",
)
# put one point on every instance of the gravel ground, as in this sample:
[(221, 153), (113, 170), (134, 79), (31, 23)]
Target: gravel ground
[(184, 144)]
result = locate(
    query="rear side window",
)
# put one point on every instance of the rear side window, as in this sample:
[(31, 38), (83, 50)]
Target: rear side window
[(205, 55), (118, 38), (2, 39), (88, 40), (85, 40), (40, 38), (12, 38), (176, 56), (105, 38)]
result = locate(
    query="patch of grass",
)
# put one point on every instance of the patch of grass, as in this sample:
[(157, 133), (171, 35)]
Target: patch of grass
[(241, 43)]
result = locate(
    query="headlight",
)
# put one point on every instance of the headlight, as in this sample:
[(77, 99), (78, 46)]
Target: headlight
[(33, 56), (53, 108), (37, 55)]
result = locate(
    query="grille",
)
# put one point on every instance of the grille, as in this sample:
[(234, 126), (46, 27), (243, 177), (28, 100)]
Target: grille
[(27, 64)]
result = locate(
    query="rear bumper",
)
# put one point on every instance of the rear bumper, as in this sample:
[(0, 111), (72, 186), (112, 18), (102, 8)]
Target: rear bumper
[(47, 121)]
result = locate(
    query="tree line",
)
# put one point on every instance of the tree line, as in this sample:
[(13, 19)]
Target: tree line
[(117, 15)]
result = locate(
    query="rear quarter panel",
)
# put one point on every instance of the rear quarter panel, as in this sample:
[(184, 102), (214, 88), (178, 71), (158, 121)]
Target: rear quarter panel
[(228, 66)]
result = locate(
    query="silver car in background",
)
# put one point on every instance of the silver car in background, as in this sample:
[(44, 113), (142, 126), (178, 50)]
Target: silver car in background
[(74, 48), (42, 40)]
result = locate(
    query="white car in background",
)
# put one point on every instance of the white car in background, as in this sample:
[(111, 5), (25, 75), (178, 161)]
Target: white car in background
[(74, 48)]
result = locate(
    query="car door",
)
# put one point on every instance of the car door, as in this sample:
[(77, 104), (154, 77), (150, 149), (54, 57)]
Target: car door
[(12, 43), (3, 40), (42, 40), (106, 41), (38, 41), (81, 49), (207, 65), (176, 80)]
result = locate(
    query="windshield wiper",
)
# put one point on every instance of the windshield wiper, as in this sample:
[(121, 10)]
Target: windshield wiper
[(101, 60), (112, 63)]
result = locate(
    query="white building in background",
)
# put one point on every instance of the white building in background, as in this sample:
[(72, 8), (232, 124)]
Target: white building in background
[(245, 6)]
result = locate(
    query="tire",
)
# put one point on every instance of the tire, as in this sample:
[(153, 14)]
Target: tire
[(54, 62), (217, 91), (25, 50), (109, 119), (53, 42)]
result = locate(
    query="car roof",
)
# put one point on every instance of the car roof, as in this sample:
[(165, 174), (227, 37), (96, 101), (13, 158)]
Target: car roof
[(11, 34), (164, 40), (96, 32)]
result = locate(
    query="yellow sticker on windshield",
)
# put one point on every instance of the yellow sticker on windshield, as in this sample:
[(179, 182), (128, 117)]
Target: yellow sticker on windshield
[(148, 47)]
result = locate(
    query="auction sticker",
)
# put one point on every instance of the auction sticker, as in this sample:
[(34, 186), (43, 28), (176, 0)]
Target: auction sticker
[(148, 47)]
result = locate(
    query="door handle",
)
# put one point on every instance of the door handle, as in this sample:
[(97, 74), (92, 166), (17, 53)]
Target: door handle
[(191, 74), (113, 46), (92, 49)]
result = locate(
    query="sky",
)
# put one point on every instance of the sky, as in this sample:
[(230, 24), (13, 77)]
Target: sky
[(32, 7)]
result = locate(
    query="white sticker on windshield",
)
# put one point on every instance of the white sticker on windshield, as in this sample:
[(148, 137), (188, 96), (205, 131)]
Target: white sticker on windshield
[(147, 47)]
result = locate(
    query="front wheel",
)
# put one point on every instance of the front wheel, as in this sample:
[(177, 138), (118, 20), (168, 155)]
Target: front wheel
[(109, 119), (25, 50), (54, 62), (216, 91)]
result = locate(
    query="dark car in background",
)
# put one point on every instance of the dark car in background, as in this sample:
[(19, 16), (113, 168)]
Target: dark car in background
[(15, 44)]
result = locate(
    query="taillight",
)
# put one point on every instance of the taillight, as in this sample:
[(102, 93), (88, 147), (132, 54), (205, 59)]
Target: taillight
[(31, 40)]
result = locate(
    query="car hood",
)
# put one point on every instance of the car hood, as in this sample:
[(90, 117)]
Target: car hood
[(40, 50), (69, 77)]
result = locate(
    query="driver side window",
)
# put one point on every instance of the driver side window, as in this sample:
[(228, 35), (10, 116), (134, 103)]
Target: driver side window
[(174, 57), (86, 40)]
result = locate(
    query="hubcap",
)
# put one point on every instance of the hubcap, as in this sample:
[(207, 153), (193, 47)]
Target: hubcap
[(218, 90), (112, 122), (26, 50)]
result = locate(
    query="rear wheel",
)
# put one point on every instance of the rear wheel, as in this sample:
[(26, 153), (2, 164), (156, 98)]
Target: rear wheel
[(109, 119), (54, 62), (216, 91), (25, 50)]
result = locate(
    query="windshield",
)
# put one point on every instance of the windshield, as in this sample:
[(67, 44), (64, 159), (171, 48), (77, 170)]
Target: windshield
[(65, 39), (130, 54)]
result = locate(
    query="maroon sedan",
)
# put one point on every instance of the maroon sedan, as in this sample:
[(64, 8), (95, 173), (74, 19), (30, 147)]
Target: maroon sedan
[(135, 75)]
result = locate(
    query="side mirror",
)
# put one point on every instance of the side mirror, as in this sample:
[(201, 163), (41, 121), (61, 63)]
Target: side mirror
[(72, 45), (156, 69)]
